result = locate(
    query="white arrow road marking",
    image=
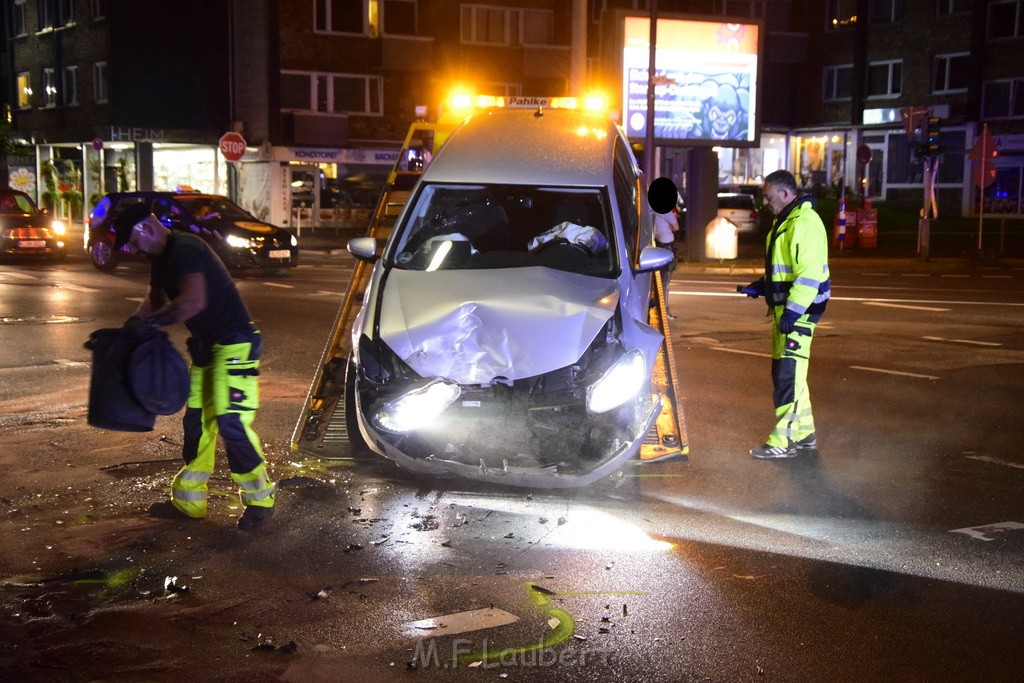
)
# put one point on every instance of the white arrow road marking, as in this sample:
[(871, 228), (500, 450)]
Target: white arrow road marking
[(963, 341), (980, 532), (893, 372), (915, 308)]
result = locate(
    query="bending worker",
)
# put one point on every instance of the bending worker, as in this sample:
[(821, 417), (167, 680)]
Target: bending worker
[(796, 287), (189, 283)]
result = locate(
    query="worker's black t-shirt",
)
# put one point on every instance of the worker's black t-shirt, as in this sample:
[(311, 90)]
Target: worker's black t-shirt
[(225, 313)]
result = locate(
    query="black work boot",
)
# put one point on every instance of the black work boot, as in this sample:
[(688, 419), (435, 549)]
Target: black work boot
[(254, 517)]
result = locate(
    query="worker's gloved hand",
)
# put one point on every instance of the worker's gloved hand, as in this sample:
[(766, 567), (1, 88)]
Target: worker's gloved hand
[(788, 321), (138, 327), (753, 290)]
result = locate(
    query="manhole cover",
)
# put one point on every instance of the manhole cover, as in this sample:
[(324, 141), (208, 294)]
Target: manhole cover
[(39, 320)]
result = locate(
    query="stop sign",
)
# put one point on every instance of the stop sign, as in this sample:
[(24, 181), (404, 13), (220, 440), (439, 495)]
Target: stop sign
[(232, 146)]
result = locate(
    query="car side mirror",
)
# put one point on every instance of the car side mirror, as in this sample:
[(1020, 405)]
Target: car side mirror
[(364, 249), (653, 258)]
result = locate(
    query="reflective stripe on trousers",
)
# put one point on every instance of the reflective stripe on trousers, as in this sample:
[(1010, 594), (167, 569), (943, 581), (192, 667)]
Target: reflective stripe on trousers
[(792, 398), (223, 399)]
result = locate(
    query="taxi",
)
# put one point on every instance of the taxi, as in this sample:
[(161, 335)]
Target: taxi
[(504, 334)]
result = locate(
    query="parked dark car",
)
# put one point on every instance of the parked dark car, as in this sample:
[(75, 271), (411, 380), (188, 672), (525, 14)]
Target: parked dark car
[(27, 231), (242, 241)]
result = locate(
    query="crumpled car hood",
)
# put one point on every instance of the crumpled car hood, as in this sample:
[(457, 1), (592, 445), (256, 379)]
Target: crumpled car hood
[(471, 326)]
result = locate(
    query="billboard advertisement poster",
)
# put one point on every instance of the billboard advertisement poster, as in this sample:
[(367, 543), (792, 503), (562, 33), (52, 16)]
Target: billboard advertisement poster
[(706, 78)]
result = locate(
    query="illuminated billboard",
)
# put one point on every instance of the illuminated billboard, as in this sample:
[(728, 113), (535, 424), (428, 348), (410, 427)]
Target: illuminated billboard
[(706, 78)]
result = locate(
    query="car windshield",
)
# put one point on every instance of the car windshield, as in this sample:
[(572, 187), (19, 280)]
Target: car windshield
[(204, 208), (15, 203), (458, 227)]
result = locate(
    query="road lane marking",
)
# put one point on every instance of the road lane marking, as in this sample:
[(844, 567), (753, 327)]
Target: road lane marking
[(915, 308), (745, 353), (953, 275), (278, 284), (963, 341), (76, 288), (915, 274), (19, 276), (893, 372), (982, 532), (999, 277), (995, 461)]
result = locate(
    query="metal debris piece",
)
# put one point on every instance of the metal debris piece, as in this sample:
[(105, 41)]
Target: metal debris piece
[(383, 539), (562, 520), (171, 585), (604, 630), (542, 589), (510, 535), (323, 594), (579, 637), (353, 546), (554, 623), (266, 645), (446, 544), (543, 520), (354, 510), (624, 612)]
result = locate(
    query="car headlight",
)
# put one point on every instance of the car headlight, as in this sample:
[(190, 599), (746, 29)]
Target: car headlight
[(417, 407), (619, 384), (295, 242), (238, 242), (58, 228)]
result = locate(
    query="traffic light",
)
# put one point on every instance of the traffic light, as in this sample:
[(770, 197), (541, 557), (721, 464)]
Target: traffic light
[(931, 135)]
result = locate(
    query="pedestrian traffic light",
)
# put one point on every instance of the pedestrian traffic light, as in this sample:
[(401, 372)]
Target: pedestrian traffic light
[(931, 137)]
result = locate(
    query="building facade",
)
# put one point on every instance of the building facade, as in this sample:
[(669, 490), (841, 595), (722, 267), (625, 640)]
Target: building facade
[(111, 94)]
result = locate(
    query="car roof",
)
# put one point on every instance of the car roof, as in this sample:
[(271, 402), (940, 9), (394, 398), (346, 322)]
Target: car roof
[(162, 193), (557, 147)]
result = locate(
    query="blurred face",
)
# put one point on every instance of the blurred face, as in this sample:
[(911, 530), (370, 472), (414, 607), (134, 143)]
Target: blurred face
[(777, 198), (147, 239)]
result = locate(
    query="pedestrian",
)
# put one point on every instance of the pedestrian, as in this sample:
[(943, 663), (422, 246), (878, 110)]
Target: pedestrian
[(188, 283), (666, 225), (796, 287)]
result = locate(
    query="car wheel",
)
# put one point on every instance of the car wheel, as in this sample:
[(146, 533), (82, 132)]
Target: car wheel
[(103, 255)]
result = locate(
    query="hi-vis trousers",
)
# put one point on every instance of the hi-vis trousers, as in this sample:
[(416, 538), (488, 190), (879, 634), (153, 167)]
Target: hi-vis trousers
[(792, 399), (223, 399)]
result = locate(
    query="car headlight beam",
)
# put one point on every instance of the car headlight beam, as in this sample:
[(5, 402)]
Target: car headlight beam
[(416, 408), (621, 383), (239, 242), (58, 228)]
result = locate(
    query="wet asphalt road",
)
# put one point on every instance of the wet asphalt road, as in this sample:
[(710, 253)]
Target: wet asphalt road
[(846, 566)]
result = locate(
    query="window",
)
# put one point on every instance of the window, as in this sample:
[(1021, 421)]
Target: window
[(741, 8), (99, 82), (841, 13), (16, 18), (1005, 19), (24, 90), (332, 93), (69, 84), (947, 7), (347, 16), (357, 94), (1003, 99), (885, 79), (400, 17), (885, 11), (507, 26), (49, 88), (97, 9), (837, 82), (55, 14), (950, 72)]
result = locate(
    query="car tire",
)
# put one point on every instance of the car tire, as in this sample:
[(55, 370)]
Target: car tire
[(103, 256)]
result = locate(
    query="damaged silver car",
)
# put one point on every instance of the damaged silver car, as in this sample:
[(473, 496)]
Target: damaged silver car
[(505, 332)]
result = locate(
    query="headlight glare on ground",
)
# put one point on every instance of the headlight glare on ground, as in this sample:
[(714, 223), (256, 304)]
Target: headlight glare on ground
[(416, 408), (621, 383), (239, 242)]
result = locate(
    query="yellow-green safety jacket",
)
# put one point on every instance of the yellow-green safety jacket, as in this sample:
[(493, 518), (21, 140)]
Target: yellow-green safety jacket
[(796, 260)]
